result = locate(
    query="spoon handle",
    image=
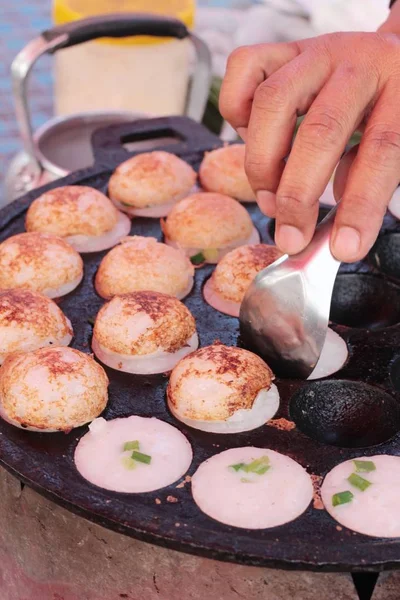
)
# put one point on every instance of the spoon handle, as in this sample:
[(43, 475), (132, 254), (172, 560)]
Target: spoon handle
[(317, 259)]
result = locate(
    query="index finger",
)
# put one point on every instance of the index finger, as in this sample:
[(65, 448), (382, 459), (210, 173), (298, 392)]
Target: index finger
[(247, 68)]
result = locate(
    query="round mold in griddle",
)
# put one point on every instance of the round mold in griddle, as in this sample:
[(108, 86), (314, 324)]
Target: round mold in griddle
[(45, 461), (323, 211), (348, 414), (364, 300), (385, 255)]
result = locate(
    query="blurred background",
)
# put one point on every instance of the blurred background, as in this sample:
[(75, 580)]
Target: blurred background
[(221, 24)]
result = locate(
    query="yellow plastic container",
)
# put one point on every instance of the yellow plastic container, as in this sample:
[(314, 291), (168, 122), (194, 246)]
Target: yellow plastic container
[(137, 74)]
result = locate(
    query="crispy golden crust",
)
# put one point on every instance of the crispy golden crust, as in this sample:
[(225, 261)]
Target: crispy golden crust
[(57, 362), (237, 269), (151, 179), (72, 210), (37, 261), (52, 388), (207, 220), (317, 499), (142, 323), (282, 424), (235, 375), (31, 312), (222, 171), (141, 263)]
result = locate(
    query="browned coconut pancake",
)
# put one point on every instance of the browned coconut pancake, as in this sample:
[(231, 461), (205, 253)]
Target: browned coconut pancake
[(222, 171), (81, 215), (149, 184), (222, 389), (144, 332), (28, 321), (41, 262), (143, 264), (228, 284), (207, 226), (52, 389)]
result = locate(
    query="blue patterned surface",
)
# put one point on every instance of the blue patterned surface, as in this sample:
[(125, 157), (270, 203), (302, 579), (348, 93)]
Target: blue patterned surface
[(21, 21)]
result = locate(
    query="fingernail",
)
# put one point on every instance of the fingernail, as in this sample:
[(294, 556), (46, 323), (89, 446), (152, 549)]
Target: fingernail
[(289, 239), (346, 243), (267, 202), (242, 132)]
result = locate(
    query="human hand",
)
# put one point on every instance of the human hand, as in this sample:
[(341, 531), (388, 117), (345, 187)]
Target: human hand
[(342, 82)]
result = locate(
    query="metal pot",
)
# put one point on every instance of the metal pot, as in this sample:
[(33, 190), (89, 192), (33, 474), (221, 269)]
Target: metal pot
[(63, 144)]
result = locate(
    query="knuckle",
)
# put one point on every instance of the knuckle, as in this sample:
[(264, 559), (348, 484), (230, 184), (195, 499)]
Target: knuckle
[(270, 95), (257, 171), (239, 56), (382, 146), (389, 42), (361, 208), (295, 202), (358, 199), (349, 70), (323, 128), (329, 41), (233, 101)]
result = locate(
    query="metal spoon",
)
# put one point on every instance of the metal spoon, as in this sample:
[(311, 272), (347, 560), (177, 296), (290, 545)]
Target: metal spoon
[(285, 313)]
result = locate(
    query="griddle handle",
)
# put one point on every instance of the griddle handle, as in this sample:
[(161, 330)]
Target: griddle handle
[(115, 26), (190, 136)]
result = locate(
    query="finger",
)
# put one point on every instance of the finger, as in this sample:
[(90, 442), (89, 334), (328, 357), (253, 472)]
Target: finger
[(319, 144), (242, 132), (267, 203), (342, 172), (247, 67), (372, 179), (277, 102)]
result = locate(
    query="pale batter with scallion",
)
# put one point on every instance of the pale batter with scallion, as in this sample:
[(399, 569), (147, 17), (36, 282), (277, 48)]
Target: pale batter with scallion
[(363, 494), (254, 488), (132, 455)]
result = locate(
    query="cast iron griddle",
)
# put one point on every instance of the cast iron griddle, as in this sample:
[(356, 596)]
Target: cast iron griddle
[(358, 406)]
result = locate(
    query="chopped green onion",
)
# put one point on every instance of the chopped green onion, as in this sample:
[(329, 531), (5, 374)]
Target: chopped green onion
[(131, 445), (364, 466), (126, 204), (262, 469), (342, 498), (128, 463), (140, 457), (359, 482), (197, 259), (210, 254), (237, 467), (91, 320), (259, 466), (244, 480)]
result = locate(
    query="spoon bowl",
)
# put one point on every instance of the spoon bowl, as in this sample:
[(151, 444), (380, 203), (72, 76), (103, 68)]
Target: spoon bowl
[(284, 315)]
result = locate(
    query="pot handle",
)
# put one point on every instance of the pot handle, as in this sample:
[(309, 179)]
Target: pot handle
[(113, 25)]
